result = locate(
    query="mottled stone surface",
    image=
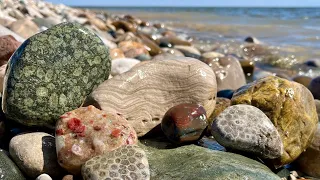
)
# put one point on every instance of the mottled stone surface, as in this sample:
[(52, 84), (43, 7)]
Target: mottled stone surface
[(314, 87), (52, 72), (221, 105), (35, 154), (128, 162), (228, 72), (145, 93), (246, 128), (184, 123), (308, 161), (193, 162), (87, 132), (8, 44), (290, 107), (8, 170)]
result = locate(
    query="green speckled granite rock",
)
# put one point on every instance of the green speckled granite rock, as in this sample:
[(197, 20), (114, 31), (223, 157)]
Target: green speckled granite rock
[(52, 72), (8, 170), (194, 162)]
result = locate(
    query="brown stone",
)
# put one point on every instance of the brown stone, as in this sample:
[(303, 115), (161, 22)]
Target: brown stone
[(314, 87), (152, 47), (304, 80), (174, 41), (291, 108), (24, 27), (116, 53), (132, 49), (126, 26), (247, 66), (8, 45), (184, 123)]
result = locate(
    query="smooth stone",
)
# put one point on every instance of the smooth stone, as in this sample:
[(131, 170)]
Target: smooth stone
[(16, 14), (152, 47), (9, 170), (188, 50), (259, 74), (68, 177), (44, 177), (184, 123), (304, 80), (126, 26), (208, 56), (174, 41), (97, 22), (122, 65), (317, 102), (221, 105), (5, 31), (291, 108), (228, 72), (313, 63), (144, 107), (116, 53), (251, 39), (35, 154), (173, 51), (24, 27), (47, 22), (8, 44), (308, 161), (132, 49), (254, 50), (33, 11), (227, 93), (246, 128), (247, 67), (314, 87), (193, 162), (127, 162), (143, 57), (87, 132), (163, 56), (129, 36), (38, 90)]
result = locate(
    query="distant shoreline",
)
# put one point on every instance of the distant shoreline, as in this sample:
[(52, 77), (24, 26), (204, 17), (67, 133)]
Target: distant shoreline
[(193, 7)]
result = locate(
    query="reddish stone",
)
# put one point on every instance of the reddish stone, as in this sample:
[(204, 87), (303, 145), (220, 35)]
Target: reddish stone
[(184, 123), (8, 44), (87, 132)]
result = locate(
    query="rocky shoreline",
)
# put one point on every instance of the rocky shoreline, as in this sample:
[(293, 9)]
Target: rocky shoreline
[(92, 95)]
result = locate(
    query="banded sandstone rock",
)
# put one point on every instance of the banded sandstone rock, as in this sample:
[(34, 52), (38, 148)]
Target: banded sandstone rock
[(52, 73), (290, 107), (145, 93)]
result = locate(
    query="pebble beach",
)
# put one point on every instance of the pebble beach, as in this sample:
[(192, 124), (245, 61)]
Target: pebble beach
[(105, 94)]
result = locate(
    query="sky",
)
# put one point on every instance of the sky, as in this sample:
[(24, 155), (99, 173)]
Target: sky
[(193, 3)]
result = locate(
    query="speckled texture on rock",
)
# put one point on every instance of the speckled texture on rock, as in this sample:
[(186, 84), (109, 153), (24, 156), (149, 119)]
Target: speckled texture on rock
[(127, 163), (8, 170), (52, 72), (145, 93), (246, 128), (193, 162), (35, 154), (290, 107), (87, 132), (221, 105)]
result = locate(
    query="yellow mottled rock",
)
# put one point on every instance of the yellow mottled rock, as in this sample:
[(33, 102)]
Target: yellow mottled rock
[(291, 108)]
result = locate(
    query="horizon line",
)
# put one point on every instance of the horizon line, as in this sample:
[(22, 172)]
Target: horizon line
[(119, 6)]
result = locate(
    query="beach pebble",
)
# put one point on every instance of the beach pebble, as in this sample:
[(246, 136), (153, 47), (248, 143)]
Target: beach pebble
[(97, 22), (308, 161), (35, 153), (259, 74), (132, 49), (298, 117), (184, 123), (87, 132), (68, 177), (314, 87), (174, 41), (8, 44), (221, 105), (251, 39), (128, 162), (47, 22), (163, 56), (247, 66), (173, 51), (44, 177), (129, 36), (151, 46), (122, 65), (318, 107), (24, 27), (188, 49), (38, 90), (144, 107), (16, 14), (313, 63), (209, 56), (126, 26), (227, 93), (248, 129), (304, 80), (228, 72), (143, 57), (5, 31), (9, 170), (116, 53)]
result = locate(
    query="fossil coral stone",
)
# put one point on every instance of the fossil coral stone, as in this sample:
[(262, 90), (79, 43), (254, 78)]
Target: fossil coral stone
[(145, 93), (290, 107), (87, 132), (247, 128), (52, 72), (128, 162)]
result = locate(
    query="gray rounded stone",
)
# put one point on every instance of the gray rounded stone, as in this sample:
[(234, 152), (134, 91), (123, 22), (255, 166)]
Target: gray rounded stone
[(52, 72), (128, 162), (8, 170), (246, 128), (44, 177)]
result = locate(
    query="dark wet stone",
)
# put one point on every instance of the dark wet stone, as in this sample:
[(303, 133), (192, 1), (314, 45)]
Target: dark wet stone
[(126, 26), (112, 33), (8, 170), (189, 54), (313, 63), (314, 87), (184, 123), (251, 39), (227, 93), (52, 72), (210, 143), (173, 41), (247, 66), (304, 80)]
